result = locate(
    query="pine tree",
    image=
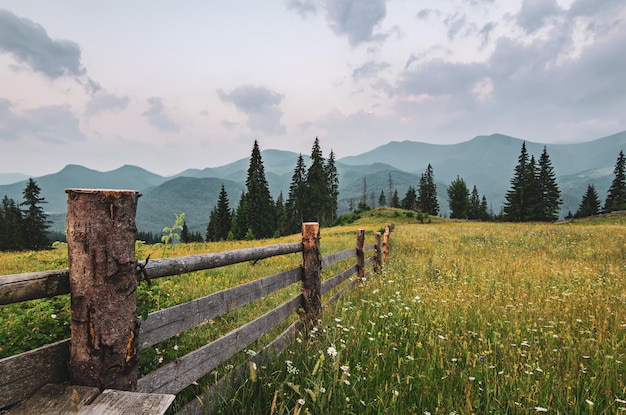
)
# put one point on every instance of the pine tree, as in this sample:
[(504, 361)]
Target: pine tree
[(261, 215), (550, 194), (521, 199), (590, 204), (458, 198), (240, 219), (220, 219), (484, 210), (184, 234), (333, 185), (410, 199), (395, 200), (35, 220), (11, 235), (427, 197), (279, 207), (474, 211), (616, 198), (318, 195), (382, 200), (294, 208)]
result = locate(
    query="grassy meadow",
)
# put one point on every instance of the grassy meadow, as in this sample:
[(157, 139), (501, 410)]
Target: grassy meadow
[(465, 318)]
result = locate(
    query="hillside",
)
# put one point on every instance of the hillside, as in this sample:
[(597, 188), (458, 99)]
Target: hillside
[(485, 161)]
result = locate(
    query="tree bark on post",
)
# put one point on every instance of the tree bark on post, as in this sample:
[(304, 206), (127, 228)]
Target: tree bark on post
[(311, 274), (103, 284), (386, 243), (360, 254), (377, 253)]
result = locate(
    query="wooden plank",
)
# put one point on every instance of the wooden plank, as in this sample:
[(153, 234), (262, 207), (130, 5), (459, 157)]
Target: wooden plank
[(23, 374), (32, 285), (166, 323), (15, 288), (340, 293), (176, 376), (55, 399), (369, 248), (228, 384), (166, 267), (331, 283), (331, 259), (112, 402)]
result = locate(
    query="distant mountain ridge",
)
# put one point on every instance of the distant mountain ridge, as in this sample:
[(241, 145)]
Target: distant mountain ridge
[(485, 161)]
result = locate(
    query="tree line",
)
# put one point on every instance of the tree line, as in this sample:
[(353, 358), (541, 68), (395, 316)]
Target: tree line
[(313, 194), (24, 225)]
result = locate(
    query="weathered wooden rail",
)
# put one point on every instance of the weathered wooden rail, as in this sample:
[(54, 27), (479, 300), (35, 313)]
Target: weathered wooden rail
[(101, 257)]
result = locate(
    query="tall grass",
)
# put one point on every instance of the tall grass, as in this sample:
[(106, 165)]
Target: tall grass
[(465, 318)]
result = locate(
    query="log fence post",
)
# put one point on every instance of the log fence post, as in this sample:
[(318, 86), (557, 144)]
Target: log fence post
[(360, 254), (386, 243), (377, 253), (311, 274), (103, 283)]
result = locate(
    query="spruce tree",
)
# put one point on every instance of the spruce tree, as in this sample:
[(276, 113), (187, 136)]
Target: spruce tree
[(279, 208), (410, 199), (474, 205), (294, 208), (35, 220), (395, 200), (11, 235), (484, 210), (220, 219), (616, 198), (458, 198), (318, 195), (260, 205), (520, 204), (427, 197), (184, 234), (550, 194), (590, 204), (223, 215), (240, 219), (382, 200), (333, 186)]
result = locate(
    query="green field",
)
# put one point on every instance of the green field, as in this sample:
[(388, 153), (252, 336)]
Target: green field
[(466, 318)]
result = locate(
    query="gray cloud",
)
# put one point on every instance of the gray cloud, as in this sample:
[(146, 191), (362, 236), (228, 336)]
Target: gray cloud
[(103, 101), (485, 32), (534, 13), (303, 7), (52, 123), (260, 104), (537, 83), (356, 19), (368, 70), (29, 43), (158, 118)]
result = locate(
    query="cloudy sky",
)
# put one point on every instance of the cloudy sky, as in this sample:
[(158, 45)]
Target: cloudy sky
[(171, 85)]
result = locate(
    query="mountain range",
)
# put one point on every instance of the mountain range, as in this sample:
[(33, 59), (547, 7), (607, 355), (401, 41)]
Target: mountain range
[(485, 161)]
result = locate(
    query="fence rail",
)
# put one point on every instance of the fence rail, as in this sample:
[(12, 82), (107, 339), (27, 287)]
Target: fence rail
[(23, 374)]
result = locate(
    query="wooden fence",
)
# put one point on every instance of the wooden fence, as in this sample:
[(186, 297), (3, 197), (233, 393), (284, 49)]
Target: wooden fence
[(107, 336)]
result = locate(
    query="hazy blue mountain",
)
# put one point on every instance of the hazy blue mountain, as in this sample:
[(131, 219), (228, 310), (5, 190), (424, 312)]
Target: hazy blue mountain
[(485, 161), (9, 178)]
